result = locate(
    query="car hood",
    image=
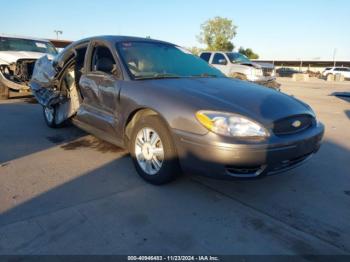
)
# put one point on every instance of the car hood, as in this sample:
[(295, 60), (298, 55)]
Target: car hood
[(8, 57), (252, 64), (229, 95), (259, 65)]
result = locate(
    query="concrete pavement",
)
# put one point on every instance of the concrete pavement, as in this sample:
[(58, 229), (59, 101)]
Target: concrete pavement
[(63, 191)]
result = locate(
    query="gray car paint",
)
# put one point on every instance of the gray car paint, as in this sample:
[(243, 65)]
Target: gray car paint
[(110, 101)]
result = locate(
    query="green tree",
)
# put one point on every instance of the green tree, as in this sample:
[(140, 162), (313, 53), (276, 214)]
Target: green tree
[(195, 50), (248, 53), (217, 34)]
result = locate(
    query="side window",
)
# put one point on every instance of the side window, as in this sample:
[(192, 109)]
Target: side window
[(219, 59), (80, 58), (339, 69), (205, 56), (102, 60)]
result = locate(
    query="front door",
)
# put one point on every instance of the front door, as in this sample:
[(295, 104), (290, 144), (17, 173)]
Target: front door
[(220, 62), (100, 87)]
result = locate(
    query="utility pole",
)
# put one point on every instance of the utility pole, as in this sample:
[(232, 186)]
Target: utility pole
[(58, 32), (301, 63), (334, 54)]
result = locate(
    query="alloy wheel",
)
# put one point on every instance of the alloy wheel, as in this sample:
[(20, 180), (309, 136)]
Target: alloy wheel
[(149, 151)]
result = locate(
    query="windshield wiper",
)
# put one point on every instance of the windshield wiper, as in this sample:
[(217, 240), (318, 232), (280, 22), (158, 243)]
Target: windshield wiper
[(157, 76), (205, 75)]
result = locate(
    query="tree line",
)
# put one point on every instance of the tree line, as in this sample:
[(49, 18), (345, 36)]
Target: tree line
[(217, 35)]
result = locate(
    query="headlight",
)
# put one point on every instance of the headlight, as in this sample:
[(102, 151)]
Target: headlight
[(233, 125)]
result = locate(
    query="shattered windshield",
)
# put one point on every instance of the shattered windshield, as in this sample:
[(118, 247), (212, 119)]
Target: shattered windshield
[(151, 60), (17, 44), (238, 58)]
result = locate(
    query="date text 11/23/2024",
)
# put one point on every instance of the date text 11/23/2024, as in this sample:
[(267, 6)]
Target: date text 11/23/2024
[(173, 258)]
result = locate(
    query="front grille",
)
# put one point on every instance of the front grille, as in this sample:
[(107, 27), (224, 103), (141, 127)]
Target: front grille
[(288, 163), (24, 69), (243, 170), (294, 124)]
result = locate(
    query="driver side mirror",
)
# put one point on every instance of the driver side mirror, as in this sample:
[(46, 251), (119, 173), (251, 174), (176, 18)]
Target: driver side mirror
[(222, 62)]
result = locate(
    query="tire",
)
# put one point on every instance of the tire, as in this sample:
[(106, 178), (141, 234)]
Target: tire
[(4, 92), (142, 151), (50, 120)]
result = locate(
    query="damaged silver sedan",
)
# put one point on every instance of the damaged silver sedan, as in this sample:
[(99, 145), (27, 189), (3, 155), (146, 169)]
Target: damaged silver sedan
[(17, 58), (173, 111)]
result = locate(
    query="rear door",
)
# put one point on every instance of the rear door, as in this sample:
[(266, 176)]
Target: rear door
[(100, 86)]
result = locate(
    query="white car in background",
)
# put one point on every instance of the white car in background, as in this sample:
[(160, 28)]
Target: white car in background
[(345, 71), (17, 58), (236, 65)]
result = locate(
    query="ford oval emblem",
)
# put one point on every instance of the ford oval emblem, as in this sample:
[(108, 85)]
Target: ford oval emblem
[(296, 124)]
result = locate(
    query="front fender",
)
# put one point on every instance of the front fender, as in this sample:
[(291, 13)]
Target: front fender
[(136, 95)]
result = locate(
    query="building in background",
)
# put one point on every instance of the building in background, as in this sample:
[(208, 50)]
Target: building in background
[(312, 65)]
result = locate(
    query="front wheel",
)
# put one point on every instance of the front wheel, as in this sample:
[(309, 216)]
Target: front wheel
[(153, 151)]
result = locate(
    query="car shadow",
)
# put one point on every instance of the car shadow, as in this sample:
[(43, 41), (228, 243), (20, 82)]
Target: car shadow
[(347, 113), (24, 132), (310, 198), (111, 210), (345, 96), (93, 143)]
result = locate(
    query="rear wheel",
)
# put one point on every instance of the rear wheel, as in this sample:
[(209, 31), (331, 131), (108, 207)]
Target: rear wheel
[(153, 151)]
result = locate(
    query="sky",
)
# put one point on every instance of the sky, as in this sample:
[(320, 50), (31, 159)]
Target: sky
[(295, 29)]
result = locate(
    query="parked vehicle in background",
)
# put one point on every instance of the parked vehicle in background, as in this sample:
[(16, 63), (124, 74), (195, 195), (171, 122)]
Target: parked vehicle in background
[(173, 111), (239, 66), (287, 72), (17, 59), (344, 71)]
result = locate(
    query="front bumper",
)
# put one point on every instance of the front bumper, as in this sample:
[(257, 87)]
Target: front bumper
[(21, 88), (261, 79), (212, 155)]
